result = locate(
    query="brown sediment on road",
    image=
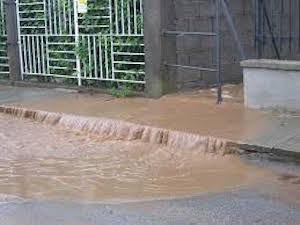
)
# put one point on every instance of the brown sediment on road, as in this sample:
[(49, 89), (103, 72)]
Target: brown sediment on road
[(120, 130), (63, 157)]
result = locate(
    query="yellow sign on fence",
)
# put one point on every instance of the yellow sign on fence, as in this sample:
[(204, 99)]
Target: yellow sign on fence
[(82, 6)]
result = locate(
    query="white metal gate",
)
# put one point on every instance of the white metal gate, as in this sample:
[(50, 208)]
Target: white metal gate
[(4, 67), (104, 44)]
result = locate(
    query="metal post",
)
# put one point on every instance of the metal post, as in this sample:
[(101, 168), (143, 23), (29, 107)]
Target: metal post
[(76, 32), (218, 48), (13, 40)]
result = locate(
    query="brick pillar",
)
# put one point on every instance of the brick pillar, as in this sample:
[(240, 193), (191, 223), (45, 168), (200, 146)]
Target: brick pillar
[(159, 49), (13, 40)]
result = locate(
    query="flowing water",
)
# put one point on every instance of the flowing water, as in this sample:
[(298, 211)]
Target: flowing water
[(60, 157)]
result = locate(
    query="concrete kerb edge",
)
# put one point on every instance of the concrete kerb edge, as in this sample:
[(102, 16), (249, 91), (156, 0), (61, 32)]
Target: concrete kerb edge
[(85, 90), (248, 148)]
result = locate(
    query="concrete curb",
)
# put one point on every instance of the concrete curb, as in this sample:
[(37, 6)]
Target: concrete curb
[(247, 148), (122, 130), (86, 90)]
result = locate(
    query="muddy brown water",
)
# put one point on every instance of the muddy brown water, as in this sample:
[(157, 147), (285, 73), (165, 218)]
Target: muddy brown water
[(42, 161), (192, 112)]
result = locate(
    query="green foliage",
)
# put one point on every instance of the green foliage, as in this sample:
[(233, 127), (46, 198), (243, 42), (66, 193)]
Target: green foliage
[(127, 91)]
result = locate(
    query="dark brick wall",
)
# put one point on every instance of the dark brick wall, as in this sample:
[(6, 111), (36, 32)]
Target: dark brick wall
[(199, 15)]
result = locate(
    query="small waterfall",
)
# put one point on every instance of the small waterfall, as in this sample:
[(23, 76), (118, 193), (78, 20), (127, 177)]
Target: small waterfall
[(120, 130)]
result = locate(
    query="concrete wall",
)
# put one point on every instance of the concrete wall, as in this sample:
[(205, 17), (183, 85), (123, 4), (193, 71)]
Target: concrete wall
[(272, 84), (194, 15)]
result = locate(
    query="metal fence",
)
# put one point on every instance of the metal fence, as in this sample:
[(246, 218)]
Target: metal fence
[(4, 67), (105, 44), (277, 32)]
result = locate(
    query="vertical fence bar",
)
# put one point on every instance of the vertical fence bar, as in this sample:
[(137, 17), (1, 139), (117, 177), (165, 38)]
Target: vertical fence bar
[(29, 54), (128, 17), (260, 24), (111, 43), (76, 29), (47, 26), (54, 16), (100, 57), (95, 57), (25, 54), (83, 41), (59, 16), (269, 25), (90, 57), (65, 16), (2, 18), (47, 55), (106, 56), (33, 52), (70, 17), (142, 15), (298, 19), (116, 16), (290, 25), (49, 16), (218, 6), (134, 16), (43, 54), (280, 24), (38, 54), (122, 17)]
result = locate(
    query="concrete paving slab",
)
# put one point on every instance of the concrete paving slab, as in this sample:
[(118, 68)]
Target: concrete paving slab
[(282, 132), (12, 94)]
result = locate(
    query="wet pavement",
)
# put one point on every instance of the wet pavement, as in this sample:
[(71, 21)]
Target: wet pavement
[(192, 112), (185, 112), (10, 94), (231, 208)]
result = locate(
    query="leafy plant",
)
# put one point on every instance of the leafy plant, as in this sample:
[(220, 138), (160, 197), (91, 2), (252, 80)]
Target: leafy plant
[(127, 91)]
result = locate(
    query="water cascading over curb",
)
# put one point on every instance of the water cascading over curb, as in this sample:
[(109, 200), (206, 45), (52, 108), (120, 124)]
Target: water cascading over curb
[(121, 130)]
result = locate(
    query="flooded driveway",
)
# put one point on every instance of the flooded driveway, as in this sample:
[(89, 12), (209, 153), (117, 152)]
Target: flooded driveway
[(75, 177)]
